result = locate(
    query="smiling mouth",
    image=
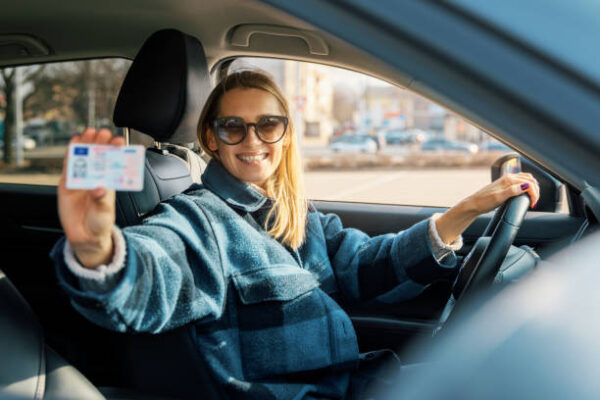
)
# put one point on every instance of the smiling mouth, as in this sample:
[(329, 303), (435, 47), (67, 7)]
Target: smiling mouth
[(253, 158)]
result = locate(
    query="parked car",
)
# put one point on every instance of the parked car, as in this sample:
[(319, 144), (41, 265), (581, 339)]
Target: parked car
[(399, 136), (405, 136), (522, 70), (442, 144), (494, 146), (27, 143), (39, 132), (52, 132), (354, 144)]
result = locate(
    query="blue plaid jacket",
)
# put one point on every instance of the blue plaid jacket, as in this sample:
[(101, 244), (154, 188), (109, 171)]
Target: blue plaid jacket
[(268, 317)]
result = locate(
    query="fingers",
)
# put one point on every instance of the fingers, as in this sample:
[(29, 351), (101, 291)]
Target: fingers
[(103, 199), (103, 136), (533, 190), (523, 183), (117, 141), (88, 136), (92, 136), (98, 193)]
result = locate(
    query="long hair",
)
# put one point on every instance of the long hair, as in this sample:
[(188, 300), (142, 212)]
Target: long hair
[(286, 221)]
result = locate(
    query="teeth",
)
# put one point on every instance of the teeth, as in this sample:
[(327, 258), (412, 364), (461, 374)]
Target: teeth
[(251, 159)]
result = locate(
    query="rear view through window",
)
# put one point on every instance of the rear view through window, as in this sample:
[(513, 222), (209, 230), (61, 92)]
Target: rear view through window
[(43, 106)]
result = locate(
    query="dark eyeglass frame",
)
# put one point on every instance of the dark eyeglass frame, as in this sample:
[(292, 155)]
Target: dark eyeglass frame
[(245, 124)]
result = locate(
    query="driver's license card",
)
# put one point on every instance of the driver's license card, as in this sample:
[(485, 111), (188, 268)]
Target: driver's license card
[(114, 167)]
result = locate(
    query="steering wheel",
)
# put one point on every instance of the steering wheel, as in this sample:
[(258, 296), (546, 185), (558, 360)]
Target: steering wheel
[(483, 262)]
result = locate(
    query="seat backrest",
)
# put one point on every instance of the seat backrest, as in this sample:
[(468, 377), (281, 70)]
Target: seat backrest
[(162, 96), (170, 364), (29, 368)]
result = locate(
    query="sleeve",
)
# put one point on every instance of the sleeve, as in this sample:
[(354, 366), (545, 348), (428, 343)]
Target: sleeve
[(391, 267), (438, 247), (103, 278), (163, 283)]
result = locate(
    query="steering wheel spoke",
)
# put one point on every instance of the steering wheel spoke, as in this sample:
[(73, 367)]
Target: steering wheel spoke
[(483, 262)]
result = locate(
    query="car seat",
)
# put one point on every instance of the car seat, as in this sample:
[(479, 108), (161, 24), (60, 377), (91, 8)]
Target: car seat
[(29, 368), (162, 96)]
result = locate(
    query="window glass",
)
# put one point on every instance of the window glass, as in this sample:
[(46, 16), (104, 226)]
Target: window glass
[(42, 106), (365, 140)]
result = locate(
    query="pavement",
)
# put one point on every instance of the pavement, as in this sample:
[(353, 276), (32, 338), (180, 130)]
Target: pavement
[(429, 187), (426, 187), (409, 187)]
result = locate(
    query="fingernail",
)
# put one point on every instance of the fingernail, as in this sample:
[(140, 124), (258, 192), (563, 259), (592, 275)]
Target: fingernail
[(534, 206), (524, 186)]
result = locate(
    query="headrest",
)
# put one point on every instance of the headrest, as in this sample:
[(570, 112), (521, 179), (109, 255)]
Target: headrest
[(165, 88)]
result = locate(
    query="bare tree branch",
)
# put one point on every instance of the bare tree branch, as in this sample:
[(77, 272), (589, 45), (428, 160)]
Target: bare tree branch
[(8, 74), (34, 73)]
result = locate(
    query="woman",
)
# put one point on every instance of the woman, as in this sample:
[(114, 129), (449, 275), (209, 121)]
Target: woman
[(244, 258)]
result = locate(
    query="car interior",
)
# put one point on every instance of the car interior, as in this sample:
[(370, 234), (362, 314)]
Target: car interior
[(48, 349)]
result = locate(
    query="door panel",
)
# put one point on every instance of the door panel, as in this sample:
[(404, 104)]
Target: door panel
[(380, 325), (539, 230), (31, 227)]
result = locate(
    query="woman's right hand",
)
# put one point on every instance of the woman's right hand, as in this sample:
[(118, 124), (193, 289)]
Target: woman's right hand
[(88, 216)]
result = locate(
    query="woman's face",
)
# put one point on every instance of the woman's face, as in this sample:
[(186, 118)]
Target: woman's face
[(252, 160)]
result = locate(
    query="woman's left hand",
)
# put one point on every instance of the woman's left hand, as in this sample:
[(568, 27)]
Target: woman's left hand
[(453, 222), (502, 189)]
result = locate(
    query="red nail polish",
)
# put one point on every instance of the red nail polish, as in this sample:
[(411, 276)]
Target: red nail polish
[(524, 186)]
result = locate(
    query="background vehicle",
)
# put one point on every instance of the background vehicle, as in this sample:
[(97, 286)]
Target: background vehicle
[(26, 143), (405, 136), (510, 76), (39, 132), (45, 133), (451, 145), (398, 137), (354, 144)]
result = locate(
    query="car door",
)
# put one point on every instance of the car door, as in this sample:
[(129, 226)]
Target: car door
[(491, 64), (28, 204), (401, 184), (392, 326)]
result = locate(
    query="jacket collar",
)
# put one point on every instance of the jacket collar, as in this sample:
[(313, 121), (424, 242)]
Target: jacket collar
[(235, 192)]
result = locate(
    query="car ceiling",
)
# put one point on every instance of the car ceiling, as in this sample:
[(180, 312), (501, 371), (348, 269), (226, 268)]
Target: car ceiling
[(75, 29)]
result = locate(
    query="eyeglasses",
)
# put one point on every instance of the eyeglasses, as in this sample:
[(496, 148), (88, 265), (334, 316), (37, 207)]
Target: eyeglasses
[(233, 130)]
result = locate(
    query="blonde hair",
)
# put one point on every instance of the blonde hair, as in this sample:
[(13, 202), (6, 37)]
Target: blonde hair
[(286, 221)]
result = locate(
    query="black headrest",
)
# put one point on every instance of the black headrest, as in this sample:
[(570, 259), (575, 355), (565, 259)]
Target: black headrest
[(165, 88)]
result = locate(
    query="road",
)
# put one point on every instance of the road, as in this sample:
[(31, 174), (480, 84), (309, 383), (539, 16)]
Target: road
[(433, 187)]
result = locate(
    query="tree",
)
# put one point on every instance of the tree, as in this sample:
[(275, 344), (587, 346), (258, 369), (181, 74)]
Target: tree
[(83, 92), (80, 92), (8, 86)]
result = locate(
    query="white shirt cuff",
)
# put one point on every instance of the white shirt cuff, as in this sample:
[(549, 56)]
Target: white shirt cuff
[(104, 277), (438, 247)]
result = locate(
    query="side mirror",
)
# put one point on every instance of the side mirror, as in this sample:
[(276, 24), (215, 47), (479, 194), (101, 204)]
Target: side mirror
[(551, 199)]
